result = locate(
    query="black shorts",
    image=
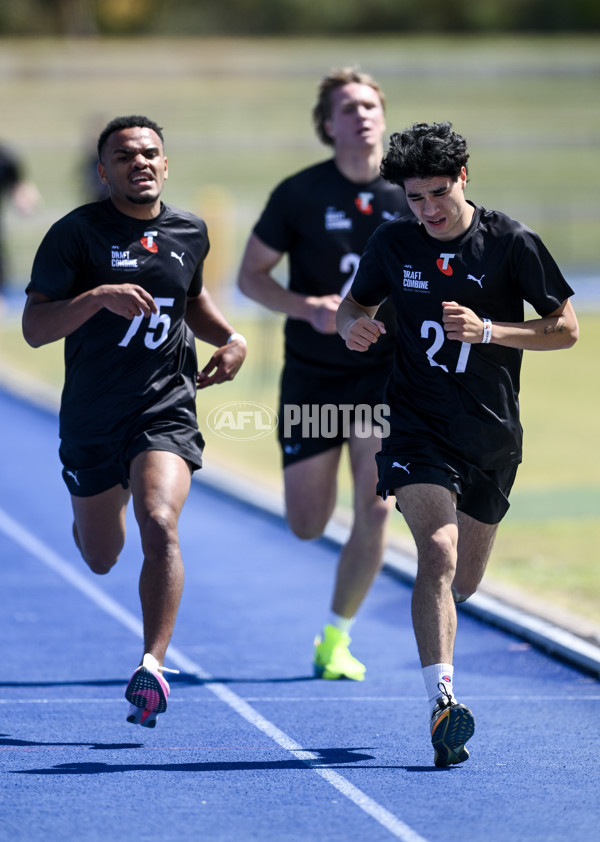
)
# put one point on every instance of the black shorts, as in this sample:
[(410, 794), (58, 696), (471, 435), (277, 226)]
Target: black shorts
[(483, 495), (92, 469), (319, 410)]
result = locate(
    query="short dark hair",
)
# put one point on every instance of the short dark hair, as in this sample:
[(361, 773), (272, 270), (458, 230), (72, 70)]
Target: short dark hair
[(335, 79), (424, 151), (133, 121)]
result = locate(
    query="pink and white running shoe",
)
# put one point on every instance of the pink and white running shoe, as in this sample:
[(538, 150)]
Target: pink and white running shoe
[(147, 692)]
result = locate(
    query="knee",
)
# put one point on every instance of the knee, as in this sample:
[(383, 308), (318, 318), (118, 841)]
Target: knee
[(370, 517), (306, 515), (460, 597), (305, 526), (463, 587), (377, 513), (101, 565), (159, 533), (438, 558), (99, 559)]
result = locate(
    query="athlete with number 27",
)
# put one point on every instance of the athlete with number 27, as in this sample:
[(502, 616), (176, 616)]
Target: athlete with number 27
[(458, 276)]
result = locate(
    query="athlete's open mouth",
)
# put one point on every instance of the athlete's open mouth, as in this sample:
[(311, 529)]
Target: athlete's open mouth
[(141, 179)]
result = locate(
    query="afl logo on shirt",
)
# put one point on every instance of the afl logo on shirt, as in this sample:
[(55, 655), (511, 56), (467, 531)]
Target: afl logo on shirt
[(148, 241), (443, 263), (363, 203)]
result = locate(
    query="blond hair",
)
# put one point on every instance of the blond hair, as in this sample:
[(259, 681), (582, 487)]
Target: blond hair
[(335, 79)]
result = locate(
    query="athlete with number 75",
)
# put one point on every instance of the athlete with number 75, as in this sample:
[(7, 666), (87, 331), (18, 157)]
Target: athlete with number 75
[(120, 281), (458, 276)]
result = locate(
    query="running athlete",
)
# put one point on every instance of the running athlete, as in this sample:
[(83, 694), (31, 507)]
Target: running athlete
[(322, 218), (458, 276), (121, 281)]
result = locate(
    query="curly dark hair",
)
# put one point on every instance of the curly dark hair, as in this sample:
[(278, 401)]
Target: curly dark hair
[(133, 121), (424, 151), (335, 79)]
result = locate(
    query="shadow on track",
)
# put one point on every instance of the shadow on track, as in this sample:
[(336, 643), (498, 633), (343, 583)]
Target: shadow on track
[(338, 758), (6, 741)]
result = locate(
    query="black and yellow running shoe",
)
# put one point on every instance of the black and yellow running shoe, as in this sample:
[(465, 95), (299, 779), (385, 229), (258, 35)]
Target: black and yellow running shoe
[(452, 724)]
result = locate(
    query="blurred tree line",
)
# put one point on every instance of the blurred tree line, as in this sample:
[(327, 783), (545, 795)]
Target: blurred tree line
[(293, 17)]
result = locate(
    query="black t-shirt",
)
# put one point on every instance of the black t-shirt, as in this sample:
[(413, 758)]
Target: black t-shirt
[(118, 371), (323, 221), (464, 396)]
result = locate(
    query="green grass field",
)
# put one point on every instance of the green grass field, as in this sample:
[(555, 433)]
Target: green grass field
[(237, 119)]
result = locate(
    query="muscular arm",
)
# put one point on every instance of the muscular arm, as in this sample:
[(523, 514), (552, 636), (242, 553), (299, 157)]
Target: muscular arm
[(553, 332), (208, 324), (206, 321), (356, 324), (255, 281), (45, 320)]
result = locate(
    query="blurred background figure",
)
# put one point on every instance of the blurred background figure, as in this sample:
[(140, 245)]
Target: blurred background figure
[(91, 189), (21, 193)]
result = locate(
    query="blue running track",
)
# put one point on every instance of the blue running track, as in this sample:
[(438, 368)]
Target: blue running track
[(252, 747)]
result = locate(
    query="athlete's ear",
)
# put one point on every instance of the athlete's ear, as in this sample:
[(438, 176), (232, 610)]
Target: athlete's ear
[(166, 169), (102, 173), (463, 177), (328, 126)]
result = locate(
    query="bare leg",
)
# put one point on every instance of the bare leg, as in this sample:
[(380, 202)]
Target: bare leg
[(360, 559), (160, 484), (311, 492), (475, 542), (99, 527), (430, 514)]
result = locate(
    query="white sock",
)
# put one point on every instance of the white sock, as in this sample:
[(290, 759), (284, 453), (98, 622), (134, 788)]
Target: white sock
[(344, 624), (434, 675), (150, 662)]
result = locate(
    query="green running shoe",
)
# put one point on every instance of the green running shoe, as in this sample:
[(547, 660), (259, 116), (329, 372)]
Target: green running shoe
[(452, 724), (332, 658)]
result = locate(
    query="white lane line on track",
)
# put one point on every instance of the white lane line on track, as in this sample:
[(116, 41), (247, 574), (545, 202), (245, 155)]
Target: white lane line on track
[(51, 559), (274, 700)]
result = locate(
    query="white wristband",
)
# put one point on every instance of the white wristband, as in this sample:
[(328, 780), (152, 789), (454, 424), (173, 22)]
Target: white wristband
[(235, 336), (487, 331)]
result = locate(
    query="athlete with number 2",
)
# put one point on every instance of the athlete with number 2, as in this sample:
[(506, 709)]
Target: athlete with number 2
[(322, 218)]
